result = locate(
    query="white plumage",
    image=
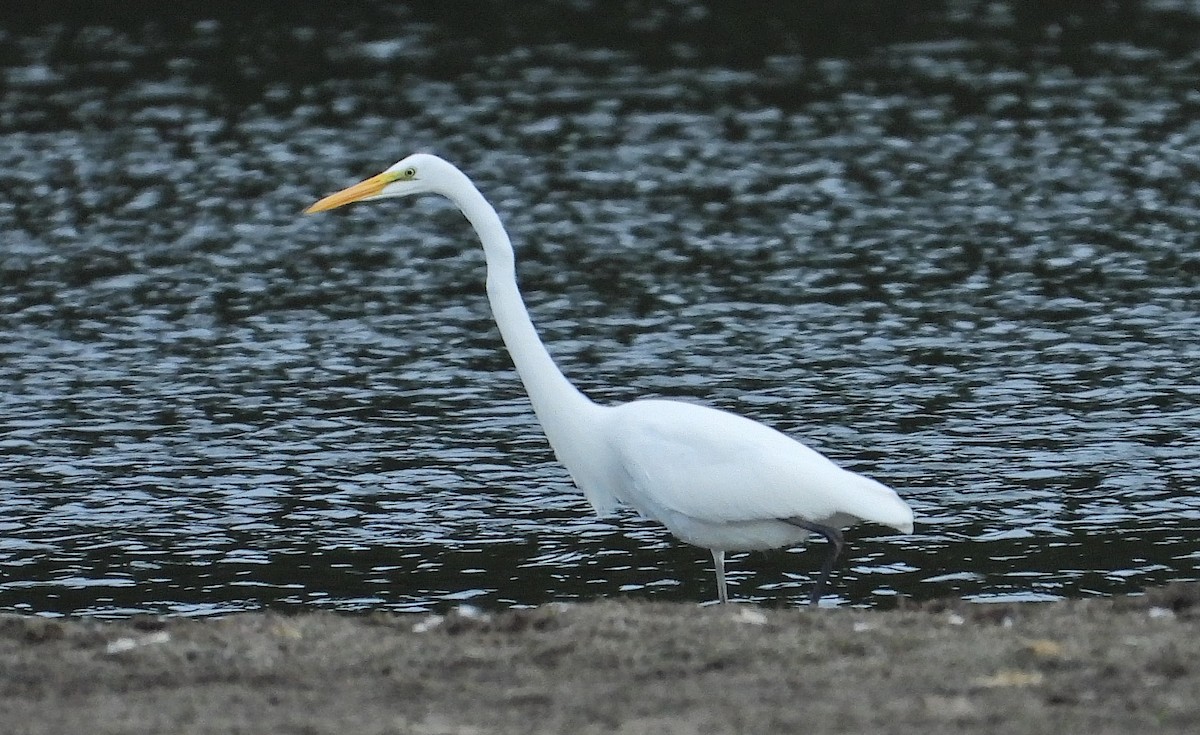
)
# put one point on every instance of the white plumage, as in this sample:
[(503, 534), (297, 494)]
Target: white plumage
[(719, 480), (714, 479)]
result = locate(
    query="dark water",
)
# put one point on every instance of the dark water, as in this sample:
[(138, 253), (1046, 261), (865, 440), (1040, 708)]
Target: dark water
[(957, 253)]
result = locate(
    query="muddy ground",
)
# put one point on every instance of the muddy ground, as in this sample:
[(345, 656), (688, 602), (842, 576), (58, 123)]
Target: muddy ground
[(1111, 665)]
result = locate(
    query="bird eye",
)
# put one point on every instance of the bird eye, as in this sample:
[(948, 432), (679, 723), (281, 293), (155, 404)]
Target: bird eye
[(410, 173)]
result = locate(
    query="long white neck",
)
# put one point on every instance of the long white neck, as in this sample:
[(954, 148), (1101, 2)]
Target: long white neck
[(560, 407)]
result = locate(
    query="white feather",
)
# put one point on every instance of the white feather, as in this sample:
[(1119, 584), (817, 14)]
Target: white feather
[(714, 479)]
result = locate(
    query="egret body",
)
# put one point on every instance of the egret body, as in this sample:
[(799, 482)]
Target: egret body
[(713, 478)]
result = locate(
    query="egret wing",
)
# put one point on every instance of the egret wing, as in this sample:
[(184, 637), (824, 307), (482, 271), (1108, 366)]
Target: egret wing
[(718, 467)]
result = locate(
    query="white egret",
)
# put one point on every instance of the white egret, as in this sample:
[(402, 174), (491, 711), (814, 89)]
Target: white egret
[(713, 478)]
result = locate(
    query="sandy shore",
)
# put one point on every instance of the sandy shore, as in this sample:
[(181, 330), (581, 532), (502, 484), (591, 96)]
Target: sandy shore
[(1116, 665)]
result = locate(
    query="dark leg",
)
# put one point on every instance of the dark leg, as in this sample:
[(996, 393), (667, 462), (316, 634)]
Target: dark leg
[(834, 537), (719, 564)]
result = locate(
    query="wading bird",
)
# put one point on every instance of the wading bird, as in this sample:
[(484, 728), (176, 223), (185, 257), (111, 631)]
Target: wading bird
[(713, 478)]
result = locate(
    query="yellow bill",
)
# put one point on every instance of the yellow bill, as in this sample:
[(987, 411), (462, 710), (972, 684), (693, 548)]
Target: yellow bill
[(358, 192)]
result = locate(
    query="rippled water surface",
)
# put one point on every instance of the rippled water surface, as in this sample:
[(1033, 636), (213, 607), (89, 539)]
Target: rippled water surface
[(963, 262)]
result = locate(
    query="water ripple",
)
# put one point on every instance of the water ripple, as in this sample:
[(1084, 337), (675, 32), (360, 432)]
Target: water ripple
[(961, 269)]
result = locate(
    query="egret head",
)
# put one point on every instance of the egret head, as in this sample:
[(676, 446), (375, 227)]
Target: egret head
[(417, 174)]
